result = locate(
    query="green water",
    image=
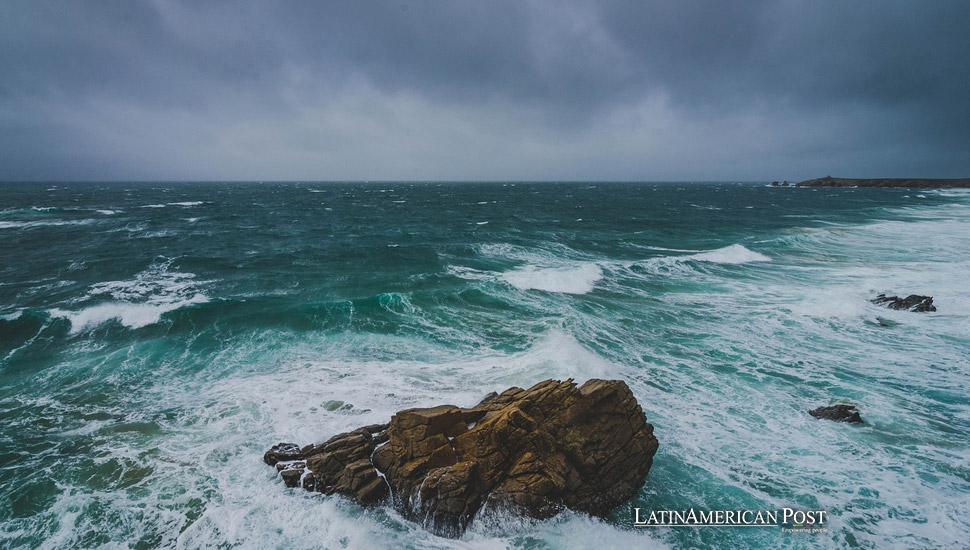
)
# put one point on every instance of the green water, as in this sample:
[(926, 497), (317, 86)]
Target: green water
[(155, 339)]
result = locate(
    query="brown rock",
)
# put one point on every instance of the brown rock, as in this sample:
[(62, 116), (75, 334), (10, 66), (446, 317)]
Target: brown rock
[(343, 465), (533, 452), (291, 477), (283, 452)]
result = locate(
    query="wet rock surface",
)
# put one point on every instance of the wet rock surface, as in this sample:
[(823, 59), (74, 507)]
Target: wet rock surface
[(529, 451), (838, 413), (913, 302)]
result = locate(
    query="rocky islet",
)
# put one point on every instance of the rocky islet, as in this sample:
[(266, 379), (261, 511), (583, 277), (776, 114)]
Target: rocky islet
[(530, 451)]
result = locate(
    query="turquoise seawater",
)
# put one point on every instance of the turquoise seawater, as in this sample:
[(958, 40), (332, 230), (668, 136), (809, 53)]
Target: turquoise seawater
[(155, 339)]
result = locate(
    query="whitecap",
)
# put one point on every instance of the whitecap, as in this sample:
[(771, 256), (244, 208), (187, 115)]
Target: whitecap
[(11, 316), (48, 223), (658, 248), (954, 192), (469, 273), (577, 279), (559, 354), (501, 250), (188, 203), (158, 234), (129, 314), (48, 208), (136, 302), (733, 254)]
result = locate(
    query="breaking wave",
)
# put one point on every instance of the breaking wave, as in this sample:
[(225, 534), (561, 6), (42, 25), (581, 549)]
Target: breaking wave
[(733, 254), (568, 279), (137, 302)]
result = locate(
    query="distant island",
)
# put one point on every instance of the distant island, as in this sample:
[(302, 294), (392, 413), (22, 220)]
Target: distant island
[(829, 181)]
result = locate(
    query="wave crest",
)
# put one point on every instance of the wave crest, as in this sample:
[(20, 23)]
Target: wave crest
[(137, 302), (568, 279), (733, 254)]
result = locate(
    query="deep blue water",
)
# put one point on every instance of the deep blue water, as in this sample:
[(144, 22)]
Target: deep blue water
[(155, 339)]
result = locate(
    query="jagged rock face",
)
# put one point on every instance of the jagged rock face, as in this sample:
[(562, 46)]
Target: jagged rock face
[(912, 302), (342, 465), (838, 413), (532, 452)]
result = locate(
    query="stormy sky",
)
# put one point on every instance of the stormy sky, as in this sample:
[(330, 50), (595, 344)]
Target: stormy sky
[(496, 90)]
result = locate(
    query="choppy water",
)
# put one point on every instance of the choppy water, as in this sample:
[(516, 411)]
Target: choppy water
[(155, 339)]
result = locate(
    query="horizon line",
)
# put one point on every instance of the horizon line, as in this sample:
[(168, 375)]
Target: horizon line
[(387, 181)]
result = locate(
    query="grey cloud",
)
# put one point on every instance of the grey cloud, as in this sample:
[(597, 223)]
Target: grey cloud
[(471, 90)]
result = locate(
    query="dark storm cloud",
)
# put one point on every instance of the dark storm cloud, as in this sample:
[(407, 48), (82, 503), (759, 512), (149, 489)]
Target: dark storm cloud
[(475, 90)]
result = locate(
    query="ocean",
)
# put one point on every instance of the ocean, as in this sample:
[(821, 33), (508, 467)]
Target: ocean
[(157, 338)]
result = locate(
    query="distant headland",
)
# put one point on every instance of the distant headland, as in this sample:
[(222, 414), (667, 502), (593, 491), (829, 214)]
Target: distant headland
[(829, 181)]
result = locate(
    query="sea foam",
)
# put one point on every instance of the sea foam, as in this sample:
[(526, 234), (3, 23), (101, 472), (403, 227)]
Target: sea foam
[(733, 254), (130, 315), (136, 302), (48, 223), (725, 359), (557, 268), (568, 279)]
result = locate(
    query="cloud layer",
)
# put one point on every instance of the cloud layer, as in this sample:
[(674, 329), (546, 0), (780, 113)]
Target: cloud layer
[(462, 90)]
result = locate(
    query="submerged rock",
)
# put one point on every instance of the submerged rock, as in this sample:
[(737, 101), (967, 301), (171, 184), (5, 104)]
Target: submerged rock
[(532, 452), (913, 302), (838, 413)]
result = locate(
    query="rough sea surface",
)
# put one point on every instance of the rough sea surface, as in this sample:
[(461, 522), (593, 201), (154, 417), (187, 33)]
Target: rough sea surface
[(155, 339)]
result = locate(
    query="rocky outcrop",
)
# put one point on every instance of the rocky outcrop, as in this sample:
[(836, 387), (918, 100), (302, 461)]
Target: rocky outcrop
[(912, 302), (342, 465), (535, 452), (838, 413), (829, 181)]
